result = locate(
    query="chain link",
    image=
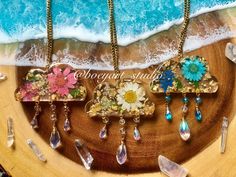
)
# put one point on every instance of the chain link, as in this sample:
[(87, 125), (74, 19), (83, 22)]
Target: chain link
[(184, 28), (49, 34), (113, 37)]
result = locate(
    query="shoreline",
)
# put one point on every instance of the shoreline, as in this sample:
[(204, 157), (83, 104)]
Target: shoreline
[(203, 30)]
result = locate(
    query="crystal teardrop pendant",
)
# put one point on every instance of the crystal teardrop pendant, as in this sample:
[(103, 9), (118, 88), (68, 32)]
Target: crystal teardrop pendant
[(103, 133), (136, 135), (121, 154), (198, 115), (67, 127), (184, 130), (34, 123), (55, 139), (84, 154)]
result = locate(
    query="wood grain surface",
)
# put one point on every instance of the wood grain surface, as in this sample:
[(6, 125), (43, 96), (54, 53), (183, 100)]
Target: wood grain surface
[(158, 135), (201, 156)]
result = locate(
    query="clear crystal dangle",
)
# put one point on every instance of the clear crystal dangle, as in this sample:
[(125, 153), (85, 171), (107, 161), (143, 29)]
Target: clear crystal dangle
[(121, 153), (136, 133), (34, 122), (184, 129), (103, 134), (55, 138), (67, 126)]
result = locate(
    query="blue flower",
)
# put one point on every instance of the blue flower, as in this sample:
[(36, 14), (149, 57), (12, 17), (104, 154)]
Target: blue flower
[(166, 79), (193, 69)]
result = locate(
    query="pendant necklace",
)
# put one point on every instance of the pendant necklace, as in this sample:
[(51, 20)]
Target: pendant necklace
[(124, 100), (57, 82), (186, 75)]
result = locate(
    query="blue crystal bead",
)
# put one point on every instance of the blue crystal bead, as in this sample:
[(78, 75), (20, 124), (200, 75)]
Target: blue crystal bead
[(168, 98), (198, 115), (185, 100), (198, 100), (184, 130), (168, 114)]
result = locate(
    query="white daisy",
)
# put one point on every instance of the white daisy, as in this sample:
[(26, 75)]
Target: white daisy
[(130, 96)]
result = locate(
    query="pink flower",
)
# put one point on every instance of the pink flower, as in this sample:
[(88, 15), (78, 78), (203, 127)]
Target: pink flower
[(27, 92), (60, 82)]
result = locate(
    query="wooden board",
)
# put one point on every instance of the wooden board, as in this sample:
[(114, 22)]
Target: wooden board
[(158, 135)]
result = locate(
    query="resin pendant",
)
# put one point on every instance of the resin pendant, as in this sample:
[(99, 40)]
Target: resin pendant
[(168, 114), (121, 154), (136, 135), (103, 133), (198, 115), (55, 139), (84, 154), (184, 130), (34, 123), (67, 126)]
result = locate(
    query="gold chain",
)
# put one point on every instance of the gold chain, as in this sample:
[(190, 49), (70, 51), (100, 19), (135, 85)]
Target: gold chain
[(49, 35), (113, 36), (184, 28)]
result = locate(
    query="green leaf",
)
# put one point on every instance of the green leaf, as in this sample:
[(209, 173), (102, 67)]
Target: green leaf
[(75, 93), (178, 83), (196, 84)]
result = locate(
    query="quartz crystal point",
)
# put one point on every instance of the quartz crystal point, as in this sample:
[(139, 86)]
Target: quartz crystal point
[(230, 52), (84, 154), (3, 77), (224, 131), (10, 133), (170, 168), (36, 150), (121, 154)]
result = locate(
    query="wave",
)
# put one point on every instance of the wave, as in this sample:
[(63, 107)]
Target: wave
[(80, 32)]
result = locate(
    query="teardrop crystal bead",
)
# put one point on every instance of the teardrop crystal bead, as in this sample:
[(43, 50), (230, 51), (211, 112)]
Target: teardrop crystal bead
[(168, 114), (67, 127), (84, 153), (198, 115), (136, 135), (34, 123), (55, 139), (103, 133), (184, 130), (121, 154)]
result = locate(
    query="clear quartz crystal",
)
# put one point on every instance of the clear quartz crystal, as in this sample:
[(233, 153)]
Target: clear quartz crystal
[(170, 168), (84, 154), (224, 131), (36, 150), (3, 77), (10, 132)]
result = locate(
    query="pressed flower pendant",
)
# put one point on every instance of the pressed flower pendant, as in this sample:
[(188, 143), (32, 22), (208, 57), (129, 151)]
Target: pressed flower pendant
[(189, 75), (58, 83), (126, 100)]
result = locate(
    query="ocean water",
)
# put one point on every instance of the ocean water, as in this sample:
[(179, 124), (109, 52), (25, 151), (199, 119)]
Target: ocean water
[(87, 20)]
